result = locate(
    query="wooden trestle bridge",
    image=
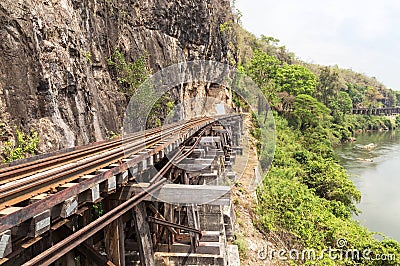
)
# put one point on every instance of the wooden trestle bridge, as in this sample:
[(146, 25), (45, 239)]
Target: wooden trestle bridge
[(377, 111), (137, 201)]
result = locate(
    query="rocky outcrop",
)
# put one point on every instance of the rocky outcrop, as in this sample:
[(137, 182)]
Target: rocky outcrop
[(54, 76)]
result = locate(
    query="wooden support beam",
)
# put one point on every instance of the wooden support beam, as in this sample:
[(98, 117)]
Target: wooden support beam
[(23, 251), (38, 197), (173, 225), (183, 194), (85, 217), (93, 255), (160, 216), (194, 223), (109, 186), (114, 236), (198, 161), (143, 235), (194, 167), (92, 195), (169, 215), (66, 260), (69, 206), (9, 210)]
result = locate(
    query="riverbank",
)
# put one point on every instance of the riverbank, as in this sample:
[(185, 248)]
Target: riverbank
[(363, 123), (343, 131)]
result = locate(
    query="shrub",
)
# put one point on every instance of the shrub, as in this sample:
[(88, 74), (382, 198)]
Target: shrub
[(129, 74), (24, 145)]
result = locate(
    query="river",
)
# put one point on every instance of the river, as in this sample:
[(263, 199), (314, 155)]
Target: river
[(376, 173)]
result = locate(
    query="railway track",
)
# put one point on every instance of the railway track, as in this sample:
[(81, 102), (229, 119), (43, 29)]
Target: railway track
[(18, 171), (69, 243), (21, 182), (73, 175)]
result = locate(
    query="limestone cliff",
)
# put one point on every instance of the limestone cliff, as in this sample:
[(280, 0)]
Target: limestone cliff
[(54, 76)]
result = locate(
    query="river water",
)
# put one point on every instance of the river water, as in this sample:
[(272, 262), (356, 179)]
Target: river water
[(375, 169)]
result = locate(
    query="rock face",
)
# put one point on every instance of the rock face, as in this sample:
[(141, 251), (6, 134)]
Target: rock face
[(54, 76)]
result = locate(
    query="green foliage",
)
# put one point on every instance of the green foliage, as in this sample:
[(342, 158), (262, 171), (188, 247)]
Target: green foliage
[(24, 145), (238, 101), (328, 85), (262, 69), (225, 27), (356, 94), (129, 74), (340, 105), (98, 209), (309, 158), (88, 56), (111, 134), (290, 209), (330, 181), (261, 130), (240, 241), (369, 122), (308, 112), (295, 80), (161, 110), (372, 97)]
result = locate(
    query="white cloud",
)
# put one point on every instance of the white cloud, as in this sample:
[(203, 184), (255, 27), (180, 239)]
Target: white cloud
[(362, 35)]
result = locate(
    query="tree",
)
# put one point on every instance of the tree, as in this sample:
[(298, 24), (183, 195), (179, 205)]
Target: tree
[(356, 94), (372, 96), (340, 106), (287, 101), (262, 69), (295, 80), (328, 85), (309, 112)]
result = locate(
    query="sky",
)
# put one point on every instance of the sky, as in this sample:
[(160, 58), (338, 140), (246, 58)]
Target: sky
[(355, 34)]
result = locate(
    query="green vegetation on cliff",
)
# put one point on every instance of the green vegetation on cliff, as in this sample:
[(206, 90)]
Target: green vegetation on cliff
[(24, 145), (130, 75)]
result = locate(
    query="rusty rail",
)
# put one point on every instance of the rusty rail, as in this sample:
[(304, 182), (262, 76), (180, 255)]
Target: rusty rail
[(21, 170), (58, 250), (15, 218), (23, 189)]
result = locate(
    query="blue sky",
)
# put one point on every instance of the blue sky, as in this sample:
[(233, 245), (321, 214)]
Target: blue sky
[(361, 35)]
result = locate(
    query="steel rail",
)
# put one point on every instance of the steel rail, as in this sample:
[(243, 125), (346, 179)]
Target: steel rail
[(22, 170), (20, 191), (10, 220), (78, 149)]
